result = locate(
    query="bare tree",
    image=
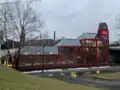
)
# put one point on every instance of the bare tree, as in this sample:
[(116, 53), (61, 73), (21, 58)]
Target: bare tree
[(19, 20), (117, 26), (4, 20)]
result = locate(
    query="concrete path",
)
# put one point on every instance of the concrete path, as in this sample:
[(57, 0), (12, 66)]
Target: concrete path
[(101, 68)]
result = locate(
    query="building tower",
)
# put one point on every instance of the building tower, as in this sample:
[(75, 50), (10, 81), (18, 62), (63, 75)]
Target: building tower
[(103, 36), (103, 32)]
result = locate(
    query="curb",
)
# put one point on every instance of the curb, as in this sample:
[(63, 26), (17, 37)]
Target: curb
[(102, 78)]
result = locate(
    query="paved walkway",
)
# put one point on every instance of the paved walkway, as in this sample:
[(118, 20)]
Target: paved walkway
[(102, 68), (97, 83), (106, 85)]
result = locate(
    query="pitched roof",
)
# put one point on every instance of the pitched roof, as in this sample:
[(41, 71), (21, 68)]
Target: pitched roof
[(57, 41), (87, 36), (68, 42), (39, 50), (46, 42)]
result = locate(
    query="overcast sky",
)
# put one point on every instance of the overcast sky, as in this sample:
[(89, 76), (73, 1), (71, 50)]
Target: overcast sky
[(70, 18)]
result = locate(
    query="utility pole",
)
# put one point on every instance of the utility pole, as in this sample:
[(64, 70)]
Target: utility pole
[(13, 41), (43, 59), (42, 44)]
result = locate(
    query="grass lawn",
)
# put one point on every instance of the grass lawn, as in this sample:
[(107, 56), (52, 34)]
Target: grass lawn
[(13, 80), (113, 75)]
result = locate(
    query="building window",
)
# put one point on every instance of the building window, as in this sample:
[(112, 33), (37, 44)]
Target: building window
[(99, 43), (83, 42), (94, 43)]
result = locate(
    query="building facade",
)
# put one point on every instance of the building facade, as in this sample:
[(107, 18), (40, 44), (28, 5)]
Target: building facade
[(89, 49)]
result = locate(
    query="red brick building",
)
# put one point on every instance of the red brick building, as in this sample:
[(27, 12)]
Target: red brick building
[(89, 49)]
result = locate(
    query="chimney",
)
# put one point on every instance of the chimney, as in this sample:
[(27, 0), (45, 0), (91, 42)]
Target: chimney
[(54, 36)]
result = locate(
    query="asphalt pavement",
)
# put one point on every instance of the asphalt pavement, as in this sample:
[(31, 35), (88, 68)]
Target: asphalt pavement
[(82, 79)]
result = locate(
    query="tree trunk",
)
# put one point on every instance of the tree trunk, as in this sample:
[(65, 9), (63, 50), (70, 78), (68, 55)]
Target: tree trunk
[(22, 42)]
